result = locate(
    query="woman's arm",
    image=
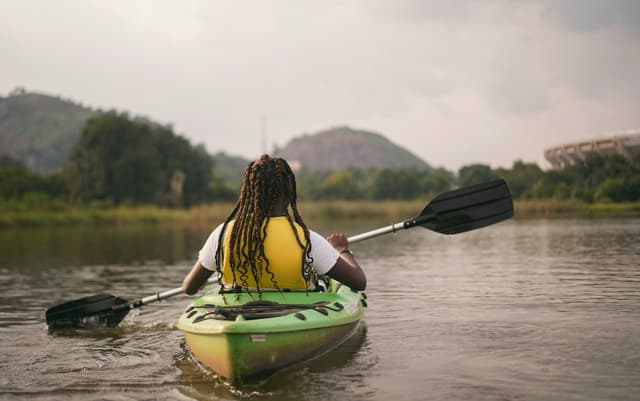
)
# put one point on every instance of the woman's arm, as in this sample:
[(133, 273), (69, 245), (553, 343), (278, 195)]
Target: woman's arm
[(199, 274), (196, 278), (346, 270)]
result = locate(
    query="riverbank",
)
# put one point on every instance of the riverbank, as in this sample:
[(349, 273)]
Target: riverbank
[(568, 209), (392, 211)]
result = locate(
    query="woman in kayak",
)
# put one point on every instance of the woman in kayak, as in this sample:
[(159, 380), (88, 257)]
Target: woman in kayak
[(264, 247)]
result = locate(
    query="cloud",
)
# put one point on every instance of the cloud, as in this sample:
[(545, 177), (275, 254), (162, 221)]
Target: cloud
[(590, 15)]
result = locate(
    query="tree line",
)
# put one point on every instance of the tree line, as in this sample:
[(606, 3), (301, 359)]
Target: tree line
[(122, 160), (599, 178)]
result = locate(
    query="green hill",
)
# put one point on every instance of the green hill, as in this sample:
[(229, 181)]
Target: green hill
[(39, 129), (344, 147)]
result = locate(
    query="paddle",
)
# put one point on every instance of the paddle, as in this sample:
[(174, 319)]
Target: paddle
[(457, 211), (451, 212), (101, 310)]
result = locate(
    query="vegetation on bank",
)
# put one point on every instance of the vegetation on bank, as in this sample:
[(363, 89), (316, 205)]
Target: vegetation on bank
[(210, 214)]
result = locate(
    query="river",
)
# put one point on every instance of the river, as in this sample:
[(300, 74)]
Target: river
[(523, 310)]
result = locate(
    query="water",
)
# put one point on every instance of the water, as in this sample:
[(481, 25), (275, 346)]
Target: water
[(524, 310)]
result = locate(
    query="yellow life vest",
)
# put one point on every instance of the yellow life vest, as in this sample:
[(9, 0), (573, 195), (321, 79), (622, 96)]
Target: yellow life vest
[(281, 249)]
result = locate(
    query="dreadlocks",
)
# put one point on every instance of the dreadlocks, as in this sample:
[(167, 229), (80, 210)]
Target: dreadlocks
[(266, 184)]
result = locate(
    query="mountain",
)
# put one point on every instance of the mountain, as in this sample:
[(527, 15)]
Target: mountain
[(39, 129), (344, 147)]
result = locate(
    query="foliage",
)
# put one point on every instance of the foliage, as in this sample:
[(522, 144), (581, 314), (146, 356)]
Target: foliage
[(521, 178), (230, 168), (222, 189), (19, 182), (475, 174), (394, 184), (131, 161), (436, 181), (341, 184)]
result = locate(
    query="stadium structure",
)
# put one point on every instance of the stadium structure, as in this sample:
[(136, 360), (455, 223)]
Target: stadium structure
[(626, 144)]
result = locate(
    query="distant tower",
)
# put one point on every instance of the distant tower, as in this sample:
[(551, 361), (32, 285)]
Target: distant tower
[(263, 135)]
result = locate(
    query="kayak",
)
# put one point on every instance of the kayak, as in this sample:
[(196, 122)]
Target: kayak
[(246, 338)]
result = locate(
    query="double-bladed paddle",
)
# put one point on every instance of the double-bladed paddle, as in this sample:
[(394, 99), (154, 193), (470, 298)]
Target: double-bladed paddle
[(451, 212)]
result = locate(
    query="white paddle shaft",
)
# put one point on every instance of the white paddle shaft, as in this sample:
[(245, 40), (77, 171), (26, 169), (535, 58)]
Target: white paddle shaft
[(393, 228)]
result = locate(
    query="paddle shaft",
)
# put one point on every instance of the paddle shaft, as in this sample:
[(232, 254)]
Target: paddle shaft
[(393, 228), (159, 296)]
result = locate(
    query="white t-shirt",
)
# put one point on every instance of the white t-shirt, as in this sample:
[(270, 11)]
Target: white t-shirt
[(323, 254)]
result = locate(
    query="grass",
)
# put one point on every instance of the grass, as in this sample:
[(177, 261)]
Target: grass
[(320, 210), (570, 208), (90, 216)]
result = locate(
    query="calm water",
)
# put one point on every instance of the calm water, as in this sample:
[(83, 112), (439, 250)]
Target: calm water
[(524, 310)]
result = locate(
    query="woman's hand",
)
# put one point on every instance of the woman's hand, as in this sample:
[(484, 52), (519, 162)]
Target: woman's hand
[(339, 242), (346, 270)]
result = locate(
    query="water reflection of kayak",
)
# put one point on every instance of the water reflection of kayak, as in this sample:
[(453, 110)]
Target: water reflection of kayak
[(246, 338)]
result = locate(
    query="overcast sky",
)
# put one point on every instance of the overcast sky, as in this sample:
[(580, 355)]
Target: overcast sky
[(456, 82)]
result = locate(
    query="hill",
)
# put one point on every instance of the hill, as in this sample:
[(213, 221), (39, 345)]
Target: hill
[(344, 147), (39, 129)]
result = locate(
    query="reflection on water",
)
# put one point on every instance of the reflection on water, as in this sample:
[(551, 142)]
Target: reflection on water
[(529, 309), (70, 247)]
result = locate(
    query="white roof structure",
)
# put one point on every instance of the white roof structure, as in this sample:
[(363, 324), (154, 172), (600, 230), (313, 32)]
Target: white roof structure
[(626, 144)]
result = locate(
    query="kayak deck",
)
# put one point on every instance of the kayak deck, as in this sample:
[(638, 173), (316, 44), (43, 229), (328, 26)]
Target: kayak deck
[(227, 333)]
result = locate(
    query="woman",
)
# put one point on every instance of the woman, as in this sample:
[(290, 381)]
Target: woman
[(264, 248)]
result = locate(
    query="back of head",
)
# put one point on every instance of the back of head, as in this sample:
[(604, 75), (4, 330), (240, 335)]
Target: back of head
[(268, 187), (267, 183)]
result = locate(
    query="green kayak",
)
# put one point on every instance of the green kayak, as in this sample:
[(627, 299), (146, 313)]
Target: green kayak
[(245, 338)]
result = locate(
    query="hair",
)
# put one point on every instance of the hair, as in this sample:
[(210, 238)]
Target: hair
[(266, 182)]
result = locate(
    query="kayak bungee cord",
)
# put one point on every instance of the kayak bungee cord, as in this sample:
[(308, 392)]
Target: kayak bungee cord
[(260, 310)]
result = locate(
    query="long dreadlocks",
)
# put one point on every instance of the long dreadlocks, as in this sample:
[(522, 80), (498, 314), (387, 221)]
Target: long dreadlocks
[(266, 183)]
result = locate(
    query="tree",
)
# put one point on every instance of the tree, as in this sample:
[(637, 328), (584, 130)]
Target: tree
[(620, 189), (522, 178), (222, 189), (394, 184), (135, 161), (341, 184), (436, 181), (17, 181), (475, 174)]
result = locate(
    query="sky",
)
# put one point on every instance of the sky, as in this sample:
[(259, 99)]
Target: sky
[(455, 82)]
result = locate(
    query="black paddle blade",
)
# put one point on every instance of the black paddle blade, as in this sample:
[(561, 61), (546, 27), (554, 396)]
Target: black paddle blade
[(102, 310), (468, 208)]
